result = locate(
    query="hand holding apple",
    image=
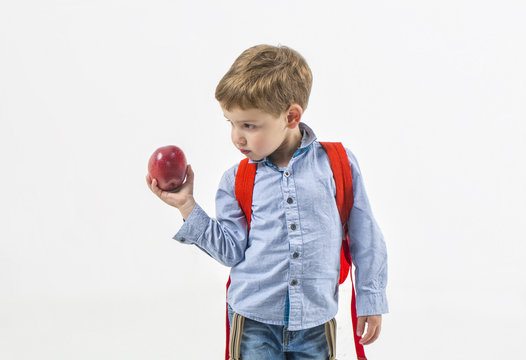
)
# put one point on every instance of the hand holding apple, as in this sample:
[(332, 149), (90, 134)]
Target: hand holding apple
[(168, 166), (182, 197)]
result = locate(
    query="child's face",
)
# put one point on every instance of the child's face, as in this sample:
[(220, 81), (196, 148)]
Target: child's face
[(255, 133)]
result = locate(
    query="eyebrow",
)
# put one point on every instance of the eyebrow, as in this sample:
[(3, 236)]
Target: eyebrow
[(241, 121)]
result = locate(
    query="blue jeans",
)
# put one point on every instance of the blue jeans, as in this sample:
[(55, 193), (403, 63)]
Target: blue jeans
[(261, 341)]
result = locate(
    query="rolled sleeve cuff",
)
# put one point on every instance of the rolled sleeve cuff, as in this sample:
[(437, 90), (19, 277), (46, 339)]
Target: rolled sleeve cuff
[(371, 304), (193, 228)]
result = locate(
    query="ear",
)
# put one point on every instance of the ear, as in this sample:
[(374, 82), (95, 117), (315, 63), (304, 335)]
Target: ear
[(294, 113)]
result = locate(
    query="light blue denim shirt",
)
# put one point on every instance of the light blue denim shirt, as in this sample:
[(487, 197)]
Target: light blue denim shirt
[(289, 262)]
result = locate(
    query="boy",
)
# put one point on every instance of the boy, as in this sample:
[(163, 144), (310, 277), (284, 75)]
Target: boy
[(284, 271)]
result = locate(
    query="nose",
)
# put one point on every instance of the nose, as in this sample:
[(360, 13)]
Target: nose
[(237, 138)]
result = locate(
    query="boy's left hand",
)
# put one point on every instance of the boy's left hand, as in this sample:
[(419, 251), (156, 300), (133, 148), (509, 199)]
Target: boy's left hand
[(374, 323)]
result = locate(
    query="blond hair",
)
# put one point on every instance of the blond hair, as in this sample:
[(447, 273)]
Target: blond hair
[(268, 78)]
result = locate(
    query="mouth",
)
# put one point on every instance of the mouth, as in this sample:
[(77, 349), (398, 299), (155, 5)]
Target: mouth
[(244, 151)]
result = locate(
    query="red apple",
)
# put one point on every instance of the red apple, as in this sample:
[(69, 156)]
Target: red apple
[(168, 165)]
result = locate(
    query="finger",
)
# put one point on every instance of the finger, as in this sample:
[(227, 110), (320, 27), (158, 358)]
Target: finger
[(156, 189), (150, 185), (376, 334), (361, 325), (373, 332), (189, 174), (149, 181), (188, 184), (368, 334), (162, 194)]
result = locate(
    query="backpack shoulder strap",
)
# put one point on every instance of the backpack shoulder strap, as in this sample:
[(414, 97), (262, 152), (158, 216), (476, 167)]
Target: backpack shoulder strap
[(244, 186), (341, 170), (245, 176)]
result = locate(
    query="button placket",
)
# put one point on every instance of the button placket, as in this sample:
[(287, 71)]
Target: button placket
[(291, 212), (295, 243)]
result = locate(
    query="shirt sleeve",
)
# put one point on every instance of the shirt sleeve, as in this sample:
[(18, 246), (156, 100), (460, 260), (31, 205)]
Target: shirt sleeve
[(223, 238), (368, 250)]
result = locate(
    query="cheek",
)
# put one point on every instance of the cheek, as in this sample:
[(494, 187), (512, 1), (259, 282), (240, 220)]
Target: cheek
[(258, 142)]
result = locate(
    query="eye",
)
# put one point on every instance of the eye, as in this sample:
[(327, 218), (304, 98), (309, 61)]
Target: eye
[(249, 126)]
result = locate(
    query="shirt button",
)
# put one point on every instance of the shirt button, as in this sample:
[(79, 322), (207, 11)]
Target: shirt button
[(182, 240), (287, 174), (289, 200), (293, 226), (294, 282), (295, 255)]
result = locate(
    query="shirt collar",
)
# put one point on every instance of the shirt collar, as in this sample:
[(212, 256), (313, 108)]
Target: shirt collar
[(307, 138)]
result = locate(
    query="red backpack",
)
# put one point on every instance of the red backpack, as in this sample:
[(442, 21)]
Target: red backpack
[(341, 170)]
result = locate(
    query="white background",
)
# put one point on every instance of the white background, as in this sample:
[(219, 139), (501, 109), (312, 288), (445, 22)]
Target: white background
[(429, 95)]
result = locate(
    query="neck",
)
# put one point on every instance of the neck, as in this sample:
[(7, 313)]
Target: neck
[(283, 154)]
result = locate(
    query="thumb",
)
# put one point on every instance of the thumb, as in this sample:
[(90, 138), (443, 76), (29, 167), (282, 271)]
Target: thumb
[(361, 325), (189, 174)]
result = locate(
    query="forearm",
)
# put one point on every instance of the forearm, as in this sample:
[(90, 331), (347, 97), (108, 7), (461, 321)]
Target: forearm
[(369, 254), (225, 243)]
